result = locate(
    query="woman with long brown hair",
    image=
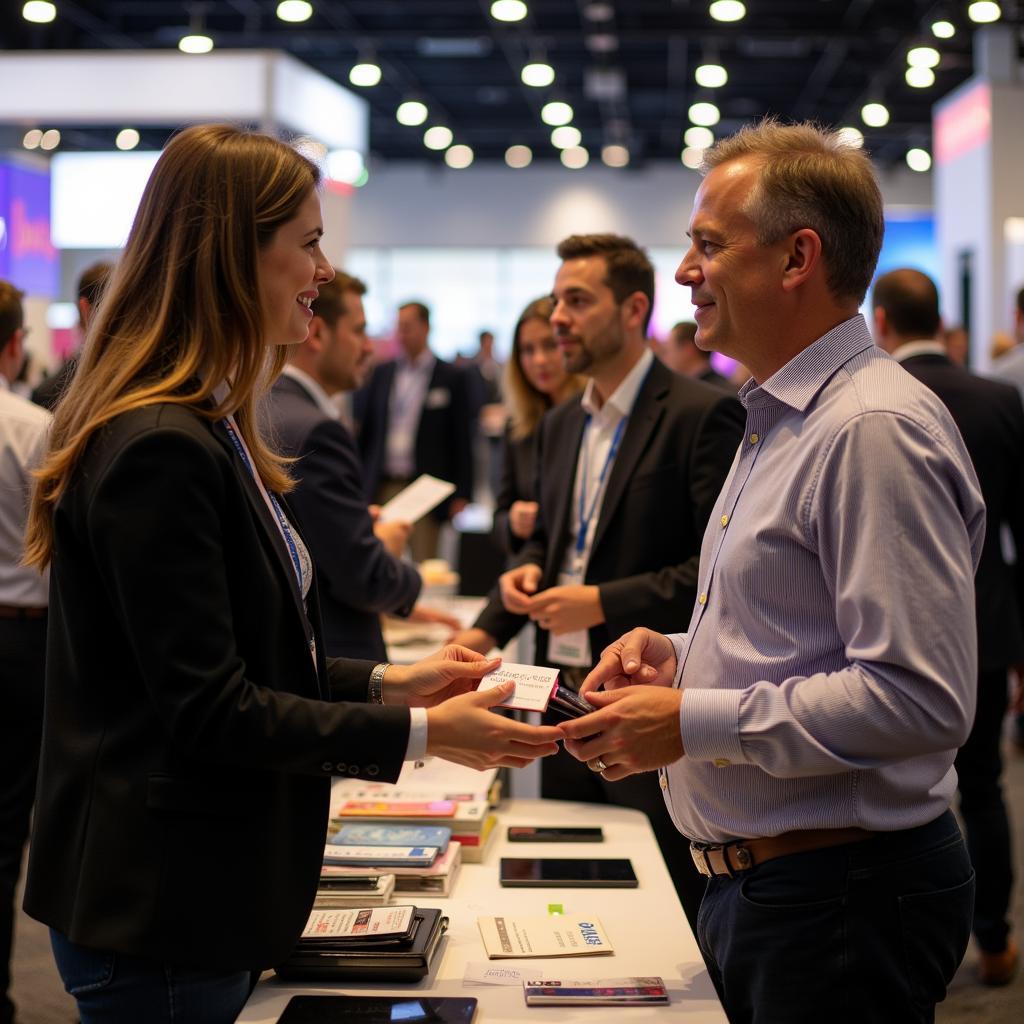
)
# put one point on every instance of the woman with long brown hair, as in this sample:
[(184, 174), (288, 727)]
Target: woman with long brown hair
[(192, 723), (535, 381)]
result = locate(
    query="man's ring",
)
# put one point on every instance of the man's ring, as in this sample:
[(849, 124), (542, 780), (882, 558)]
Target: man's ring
[(597, 765)]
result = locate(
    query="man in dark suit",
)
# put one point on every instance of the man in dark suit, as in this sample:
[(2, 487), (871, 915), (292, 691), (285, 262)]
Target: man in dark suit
[(991, 419), (360, 572), (416, 415), (628, 473)]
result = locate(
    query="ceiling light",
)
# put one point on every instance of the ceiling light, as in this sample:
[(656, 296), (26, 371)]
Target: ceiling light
[(615, 156), (459, 157), (705, 114), (366, 74), (566, 137), (127, 138), (437, 137), (538, 75), (345, 165), (692, 157), (518, 156), (39, 12), (919, 160), (32, 138), (699, 138), (943, 29), (195, 44), (875, 115), (508, 10), (411, 112), (294, 10), (920, 78), (727, 10), (984, 12), (711, 76), (850, 136), (575, 158), (923, 57), (556, 113), (50, 139), (598, 11)]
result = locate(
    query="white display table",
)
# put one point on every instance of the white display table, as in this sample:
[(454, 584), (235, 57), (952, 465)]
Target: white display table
[(645, 925)]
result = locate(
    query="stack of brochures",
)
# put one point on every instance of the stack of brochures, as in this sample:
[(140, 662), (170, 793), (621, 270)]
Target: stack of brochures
[(421, 859), (395, 943), (358, 889)]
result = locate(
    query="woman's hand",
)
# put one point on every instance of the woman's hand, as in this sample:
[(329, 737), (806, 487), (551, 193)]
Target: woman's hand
[(452, 671), (465, 730)]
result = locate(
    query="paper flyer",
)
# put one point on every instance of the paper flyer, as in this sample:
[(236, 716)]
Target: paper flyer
[(426, 492), (358, 922), (553, 935)]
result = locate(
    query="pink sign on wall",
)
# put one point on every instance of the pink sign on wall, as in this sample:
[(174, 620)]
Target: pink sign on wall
[(27, 256), (964, 124)]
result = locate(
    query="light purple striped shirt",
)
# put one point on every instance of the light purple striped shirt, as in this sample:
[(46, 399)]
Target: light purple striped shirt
[(830, 665)]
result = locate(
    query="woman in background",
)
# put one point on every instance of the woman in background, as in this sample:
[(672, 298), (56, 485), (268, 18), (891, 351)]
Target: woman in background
[(535, 381), (192, 723)]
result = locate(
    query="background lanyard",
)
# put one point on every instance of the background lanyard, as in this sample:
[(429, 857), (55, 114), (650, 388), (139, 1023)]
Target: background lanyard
[(282, 519), (587, 514)]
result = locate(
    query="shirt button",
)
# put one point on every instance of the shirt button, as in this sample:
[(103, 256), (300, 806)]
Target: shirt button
[(725, 521), (721, 762), (703, 599), (754, 438), (327, 766), (663, 781)]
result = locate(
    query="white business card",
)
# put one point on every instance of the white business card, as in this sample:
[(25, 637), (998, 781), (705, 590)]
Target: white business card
[(534, 685)]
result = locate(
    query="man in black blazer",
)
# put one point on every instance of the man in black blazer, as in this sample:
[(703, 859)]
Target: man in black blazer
[(628, 473), (416, 415), (991, 420), (682, 354), (360, 572)]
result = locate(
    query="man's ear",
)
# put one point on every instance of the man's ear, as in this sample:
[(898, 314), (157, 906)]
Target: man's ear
[(803, 258), (881, 322), (317, 336), (636, 307)]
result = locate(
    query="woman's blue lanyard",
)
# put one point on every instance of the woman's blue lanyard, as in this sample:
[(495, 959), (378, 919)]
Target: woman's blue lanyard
[(282, 520), (587, 514)]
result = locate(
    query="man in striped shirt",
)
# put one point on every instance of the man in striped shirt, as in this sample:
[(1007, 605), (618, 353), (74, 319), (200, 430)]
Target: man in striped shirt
[(806, 723)]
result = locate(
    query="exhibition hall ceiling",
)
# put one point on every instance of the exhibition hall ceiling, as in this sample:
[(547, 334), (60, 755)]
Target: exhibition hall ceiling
[(627, 68)]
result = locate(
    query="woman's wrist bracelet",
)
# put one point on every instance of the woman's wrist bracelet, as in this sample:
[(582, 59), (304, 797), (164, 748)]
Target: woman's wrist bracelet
[(375, 690)]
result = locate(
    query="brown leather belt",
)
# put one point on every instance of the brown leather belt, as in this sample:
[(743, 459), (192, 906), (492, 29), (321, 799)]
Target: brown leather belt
[(10, 611), (743, 854)]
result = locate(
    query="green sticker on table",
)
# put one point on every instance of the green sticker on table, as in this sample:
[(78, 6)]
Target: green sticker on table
[(555, 908)]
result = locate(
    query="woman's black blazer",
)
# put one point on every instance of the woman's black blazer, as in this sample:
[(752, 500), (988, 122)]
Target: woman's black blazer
[(189, 739)]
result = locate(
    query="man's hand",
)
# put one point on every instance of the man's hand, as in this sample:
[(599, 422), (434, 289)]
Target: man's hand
[(475, 639), (639, 656), (393, 535), (424, 613), (517, 587), (522, 516), (466, 731), (448, 673), (568, 608), (635, 729)]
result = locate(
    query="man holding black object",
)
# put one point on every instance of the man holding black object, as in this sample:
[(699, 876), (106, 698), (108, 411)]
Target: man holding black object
[(806, 724)]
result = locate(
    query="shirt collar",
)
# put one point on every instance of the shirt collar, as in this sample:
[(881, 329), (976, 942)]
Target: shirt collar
[(925, 347), (315, 391), (798, 382), (423, 362), (623, 397)]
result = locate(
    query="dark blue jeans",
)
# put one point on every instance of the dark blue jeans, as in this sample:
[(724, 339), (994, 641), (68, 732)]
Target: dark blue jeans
[(113, 988), (869, 931)]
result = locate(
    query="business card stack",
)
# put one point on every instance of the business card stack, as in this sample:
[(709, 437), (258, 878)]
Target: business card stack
[(358, 889), (602, 992)]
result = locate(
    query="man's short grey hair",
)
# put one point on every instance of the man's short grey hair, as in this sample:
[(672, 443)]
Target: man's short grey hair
[(812, 178)]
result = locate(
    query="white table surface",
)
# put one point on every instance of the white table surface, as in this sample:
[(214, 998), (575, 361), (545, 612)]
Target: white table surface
[(646, 927)]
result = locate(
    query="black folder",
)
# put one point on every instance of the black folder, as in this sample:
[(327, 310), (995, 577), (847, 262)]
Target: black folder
[(324, 958)]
